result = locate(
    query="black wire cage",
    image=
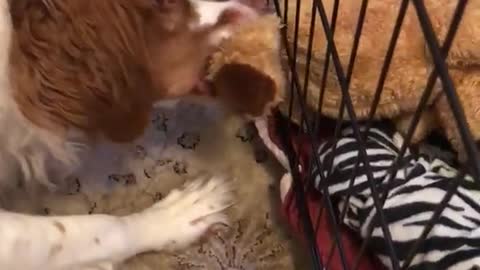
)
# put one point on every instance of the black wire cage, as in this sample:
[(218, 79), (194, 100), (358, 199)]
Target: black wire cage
[(300, 82)]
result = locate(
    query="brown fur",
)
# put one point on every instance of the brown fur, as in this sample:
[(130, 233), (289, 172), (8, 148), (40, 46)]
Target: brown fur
[(409, 69), (176, 51), (99, 65), (467, 83), (244, 89)]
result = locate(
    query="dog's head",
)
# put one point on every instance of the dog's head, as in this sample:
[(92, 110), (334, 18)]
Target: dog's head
[(86, 64)]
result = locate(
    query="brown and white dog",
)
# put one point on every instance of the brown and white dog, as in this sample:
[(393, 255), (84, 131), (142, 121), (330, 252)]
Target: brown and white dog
[(74, 73)]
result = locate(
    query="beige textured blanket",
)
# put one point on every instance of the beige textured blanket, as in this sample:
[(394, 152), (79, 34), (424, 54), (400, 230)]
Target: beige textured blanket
[(183, 141)]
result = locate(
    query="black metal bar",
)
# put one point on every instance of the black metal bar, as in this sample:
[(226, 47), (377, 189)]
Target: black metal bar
[(299, 193), (420, 108), (327, 56), (441, 70), (433, 220), (388, 60), (354, 123), (376, 100), (306, 217), (449, 88), (308, 59), (333, 24), (314, 146), (295, 49), (350, 68)]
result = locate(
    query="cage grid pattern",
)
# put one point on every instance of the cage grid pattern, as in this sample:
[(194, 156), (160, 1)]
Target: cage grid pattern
[(310, 124)]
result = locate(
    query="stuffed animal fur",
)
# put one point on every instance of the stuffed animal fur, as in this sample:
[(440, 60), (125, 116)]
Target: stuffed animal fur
[(246, 71), (409, 69)]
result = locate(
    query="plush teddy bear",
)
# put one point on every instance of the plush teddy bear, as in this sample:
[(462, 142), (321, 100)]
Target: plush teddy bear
[(409, 69), (245, 72)]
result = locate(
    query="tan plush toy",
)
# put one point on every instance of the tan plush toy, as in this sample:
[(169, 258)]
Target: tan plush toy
[(409, 69), (246, 71)]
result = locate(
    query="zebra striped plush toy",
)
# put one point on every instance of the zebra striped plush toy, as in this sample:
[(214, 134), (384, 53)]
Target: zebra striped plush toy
[(415, 192)]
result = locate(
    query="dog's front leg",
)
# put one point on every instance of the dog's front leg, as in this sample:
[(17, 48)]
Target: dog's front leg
[(50, 243), (74, 242)]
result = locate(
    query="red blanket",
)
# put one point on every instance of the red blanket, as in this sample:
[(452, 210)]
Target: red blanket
[(331, 259)]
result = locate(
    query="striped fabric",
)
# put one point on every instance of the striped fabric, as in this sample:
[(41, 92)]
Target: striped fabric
[(417, 189)]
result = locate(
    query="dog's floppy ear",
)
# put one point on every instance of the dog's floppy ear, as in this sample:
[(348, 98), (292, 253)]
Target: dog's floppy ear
[(117, 109), (244, 89), (126, 126), (82, 64), (127, 116)]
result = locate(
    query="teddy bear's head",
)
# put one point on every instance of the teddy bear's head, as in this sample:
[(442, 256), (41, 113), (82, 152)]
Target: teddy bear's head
[(246, 72)]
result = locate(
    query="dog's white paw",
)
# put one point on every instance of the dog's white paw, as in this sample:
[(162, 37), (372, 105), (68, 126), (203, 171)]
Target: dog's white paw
[(184, 215)]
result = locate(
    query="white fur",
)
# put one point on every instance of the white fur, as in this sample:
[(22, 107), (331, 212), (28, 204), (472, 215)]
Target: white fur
[(262, 128), (80, 242), (209, 12), (91, 241), (285, 185), (286, 181)]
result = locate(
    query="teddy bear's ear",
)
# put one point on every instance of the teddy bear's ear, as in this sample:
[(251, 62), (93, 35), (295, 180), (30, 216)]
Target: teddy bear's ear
[(245, 89)]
